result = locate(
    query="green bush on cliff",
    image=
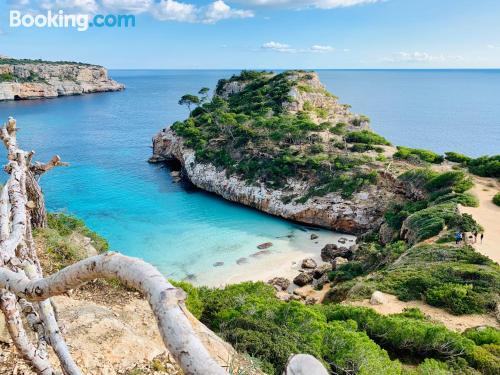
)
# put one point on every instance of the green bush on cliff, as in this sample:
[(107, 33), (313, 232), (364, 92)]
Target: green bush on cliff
[(366, 137), (457, 158), (424, 155), (486, 166)]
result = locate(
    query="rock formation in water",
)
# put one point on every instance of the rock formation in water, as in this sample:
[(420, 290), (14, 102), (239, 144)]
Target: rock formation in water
[(34, 79), (312, 164)]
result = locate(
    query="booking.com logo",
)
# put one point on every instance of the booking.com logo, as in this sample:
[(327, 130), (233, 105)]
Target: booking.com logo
[(81, 22)]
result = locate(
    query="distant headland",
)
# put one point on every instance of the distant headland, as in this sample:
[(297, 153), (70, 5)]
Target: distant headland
[(22, 79)]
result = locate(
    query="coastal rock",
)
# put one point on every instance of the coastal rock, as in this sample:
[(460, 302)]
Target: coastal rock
[(332, 251), (338, 261), (309, 263), (361, 212), (314, 236), (378, 298), (318, 283), (386, 233), (218, 264), (34, 80), (279, 283), (321, 270), (302, 279), (260, 253)]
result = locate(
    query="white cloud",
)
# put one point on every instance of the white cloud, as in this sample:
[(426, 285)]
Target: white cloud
[(279, 47), (83, 6), (493, 46), (420, 57), (171, 10), (297, 4), (219, 10), (322, 49), (163, 10), (128, 6)]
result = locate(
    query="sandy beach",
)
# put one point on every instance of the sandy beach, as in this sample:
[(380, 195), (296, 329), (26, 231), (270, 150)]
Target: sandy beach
[(283, 259), (488, 215)]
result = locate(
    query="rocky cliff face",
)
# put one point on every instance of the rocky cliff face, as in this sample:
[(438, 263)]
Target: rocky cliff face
[(35, 80), (361, 212)]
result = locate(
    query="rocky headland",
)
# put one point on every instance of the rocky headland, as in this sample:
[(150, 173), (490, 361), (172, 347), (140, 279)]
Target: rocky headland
[(36, 79), (285, 154)]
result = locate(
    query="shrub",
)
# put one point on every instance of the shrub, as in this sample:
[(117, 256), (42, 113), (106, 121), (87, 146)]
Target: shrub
[(424, 155), (486, 166), (339, 129), (457, 158), (458, 298), (456, 180), (496, 199), (346, 272), (483, 335), (366, 137)]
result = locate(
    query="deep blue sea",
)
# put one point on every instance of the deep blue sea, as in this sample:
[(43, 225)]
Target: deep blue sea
[(137, 207)]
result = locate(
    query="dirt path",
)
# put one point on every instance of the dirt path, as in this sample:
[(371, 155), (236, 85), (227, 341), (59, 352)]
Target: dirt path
[(454, 322), (488, 215)]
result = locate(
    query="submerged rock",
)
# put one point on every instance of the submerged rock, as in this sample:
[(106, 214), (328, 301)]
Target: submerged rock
[(242, 261), (218, 264), (314, 236), (265, 245)]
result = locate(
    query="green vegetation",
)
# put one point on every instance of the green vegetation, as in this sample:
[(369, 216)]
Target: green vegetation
[(366, 137), (63, 241), (7, 77), (496, 199), (345, 338), (419, 154), (251, 134), (485, 166), (10, 61)]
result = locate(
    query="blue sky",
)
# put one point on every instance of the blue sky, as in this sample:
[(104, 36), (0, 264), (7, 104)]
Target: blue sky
[(267, 34)]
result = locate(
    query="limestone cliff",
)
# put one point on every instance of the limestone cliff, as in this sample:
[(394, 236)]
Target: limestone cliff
[(357, 213), (29, 79)]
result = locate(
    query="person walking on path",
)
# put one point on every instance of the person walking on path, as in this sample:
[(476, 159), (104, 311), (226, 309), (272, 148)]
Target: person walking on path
[(458, 238)]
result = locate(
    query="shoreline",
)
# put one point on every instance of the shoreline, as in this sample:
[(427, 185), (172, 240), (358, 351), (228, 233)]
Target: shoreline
[(283, 259)]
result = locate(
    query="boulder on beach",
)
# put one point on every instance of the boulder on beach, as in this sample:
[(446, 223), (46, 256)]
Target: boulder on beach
[(302, 279), (314, 236), (378, 298), (265, 245), (321, 270), (318, 283), (309, 263), (332, 251), (279, 283)]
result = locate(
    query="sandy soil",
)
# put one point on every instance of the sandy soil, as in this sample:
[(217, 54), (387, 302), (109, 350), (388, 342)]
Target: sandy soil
[(453, 322), (488, 215)]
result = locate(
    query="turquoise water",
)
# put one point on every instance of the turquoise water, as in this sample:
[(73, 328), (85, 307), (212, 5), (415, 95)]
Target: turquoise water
[(107, 138)]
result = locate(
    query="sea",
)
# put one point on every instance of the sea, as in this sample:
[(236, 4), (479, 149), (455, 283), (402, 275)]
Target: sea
[(183, 231)]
